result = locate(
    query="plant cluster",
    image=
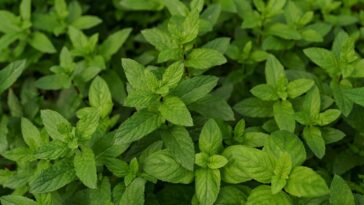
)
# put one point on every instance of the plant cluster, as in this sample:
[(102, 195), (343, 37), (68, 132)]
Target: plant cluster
[(176, 102)]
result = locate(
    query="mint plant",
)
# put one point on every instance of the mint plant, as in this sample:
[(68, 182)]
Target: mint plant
[(166, 102)]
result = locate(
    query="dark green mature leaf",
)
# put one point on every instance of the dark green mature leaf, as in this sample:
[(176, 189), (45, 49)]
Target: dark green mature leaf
[(10, 74), (314, 140), (253, 107), (42, 43), (323, 58), (284, 115), (56, 125), (137, 126), (340, 192), (180, 145), (16, 200), (113, 43), (53, 178)]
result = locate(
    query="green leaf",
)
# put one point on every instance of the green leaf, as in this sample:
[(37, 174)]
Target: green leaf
[(207, 185), (312, 102), (152, 5), (217, 161), (210, 140), (247, 163), (55, 124), (9, 23), (159, 39), (356, 95), (299, 87), (304, 182), (284, 115), (86, 22), (341, 99), (281, 172), (10, 74), (340, 192), (212, 106), (273, 71), (53, 178), (323, 58), (25, 9), (281, 142), (204, 58), (193, 89), (16, 200), (53, 82), (88, 123), (179, 143), (113, 42), (284, 31), (262, 195), (52, 150), (31, 134), (85, 167), (134, 72), (137, 126), (265, 92), (134, 192), (173, 75), (175, 111), (42, 43), (162, 166), (328, 116), (220, 44), (253, 107), (100, 96), (3, 134), (332, 135), (140, 99), (314, 140)]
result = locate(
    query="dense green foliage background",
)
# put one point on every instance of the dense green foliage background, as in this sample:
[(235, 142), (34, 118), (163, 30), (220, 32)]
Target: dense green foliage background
[(166, 102)]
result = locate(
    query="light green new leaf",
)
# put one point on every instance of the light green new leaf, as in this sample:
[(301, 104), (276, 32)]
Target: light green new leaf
[(204, 58), (253, 107), (140, 98), (328, 116), (356, 95), (210, 140), (137, 126), (217, 161), (10, 74), (273, 70), (159, 39), (312, 102), (299, 87), (340, 192), (88, 123), (207, 183), (193, 89), (52, 150), (180, 145), (173, 75), (281, 172), (284, 115), (31, 134), (314, 140), (305, 182), (16, 200), (265, 92), (134, 72), (162, 166), (174, 110), (284, 31), (85, 167), (323, 58), (262, 195), (53, 178), (86, 22), (281, 142), (134, 193), (113, 42), (9, 23), (100, 96), (247, 163), (342, 100), (25, 9), (41, 42), (56, 125)]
